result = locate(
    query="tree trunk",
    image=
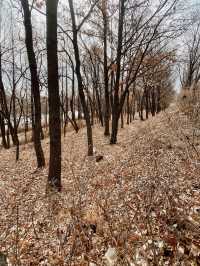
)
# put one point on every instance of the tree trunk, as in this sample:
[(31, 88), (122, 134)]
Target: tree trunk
[(116, 107), (72, 104), (5, 111), (13, 101), (62, 97), (142, 107), (66, 95), (54, 176), (158, 109), (146, 102), (105, 66), (37, 127), (80, 82), (66, 102), (100, 108), (8, 137), (128, 110), (115, 123), (3, 132), (46, 113), (153, 105)]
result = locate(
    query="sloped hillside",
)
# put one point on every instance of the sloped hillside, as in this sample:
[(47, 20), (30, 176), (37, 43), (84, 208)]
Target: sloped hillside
[(139, 205)]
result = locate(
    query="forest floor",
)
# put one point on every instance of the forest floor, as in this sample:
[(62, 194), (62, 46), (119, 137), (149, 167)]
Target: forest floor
[(139, 205)]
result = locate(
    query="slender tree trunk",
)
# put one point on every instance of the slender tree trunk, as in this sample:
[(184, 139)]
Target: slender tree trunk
[(13, 100), (54, 176), (62, 97), (111, 90), (134, 104), (5, 111), (80, 82), (66, 95), (100, 108), (122, 110), (131, 108), (3, 132), (66, 101), (128, 110), (8, 137), (105, 66), (27, 116), (92, 110), (158, 109), (72, 104), (142, 107), (153, 105), (37, 126), (116, 108), (147, 102)]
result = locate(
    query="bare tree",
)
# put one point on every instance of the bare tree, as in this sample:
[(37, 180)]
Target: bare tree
[(75, 30), (105, 65), (191, 72)]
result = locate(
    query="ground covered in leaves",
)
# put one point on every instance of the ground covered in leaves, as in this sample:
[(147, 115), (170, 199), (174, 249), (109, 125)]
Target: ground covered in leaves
[(139, 205)]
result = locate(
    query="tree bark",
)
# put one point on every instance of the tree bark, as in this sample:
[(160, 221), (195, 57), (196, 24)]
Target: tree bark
[(3, 132), (105, 66), (153, 104), (146, 101), (37, 126), (54, 176), (128, 109), (158, 109), (116, 108)]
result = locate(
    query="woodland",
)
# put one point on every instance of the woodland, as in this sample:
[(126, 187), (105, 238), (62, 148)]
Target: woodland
[(99, 132)]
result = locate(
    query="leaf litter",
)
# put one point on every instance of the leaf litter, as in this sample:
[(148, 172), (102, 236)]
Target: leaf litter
[(138, 205)]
